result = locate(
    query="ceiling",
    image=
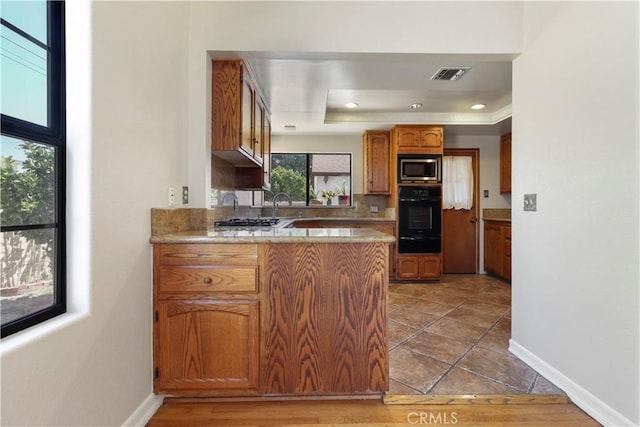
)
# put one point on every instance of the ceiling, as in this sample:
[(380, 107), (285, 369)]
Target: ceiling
[(309, 91)]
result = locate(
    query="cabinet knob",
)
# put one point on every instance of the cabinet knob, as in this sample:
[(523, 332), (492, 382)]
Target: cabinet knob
[(207, 280)]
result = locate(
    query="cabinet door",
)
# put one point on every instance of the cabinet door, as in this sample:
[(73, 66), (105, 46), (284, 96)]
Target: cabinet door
[(206, 346), (505, 163), (431, 138), (377, 158), (266, 155), (430, 266), (407, 267), (248, 97), (493, 248), (408, 139)]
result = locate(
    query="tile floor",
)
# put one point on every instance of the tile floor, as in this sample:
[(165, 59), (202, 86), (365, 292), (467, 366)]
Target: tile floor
[(451, 337)]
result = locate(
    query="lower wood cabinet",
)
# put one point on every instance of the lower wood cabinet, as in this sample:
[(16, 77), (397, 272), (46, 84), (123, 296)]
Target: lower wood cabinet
[(419, 266), (206, 319), (206, 345), (497, 248), (283, 319)]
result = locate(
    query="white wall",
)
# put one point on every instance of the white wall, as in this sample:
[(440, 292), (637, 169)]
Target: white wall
[(575, 260), (489, 176), (363, 27), (97, 368)]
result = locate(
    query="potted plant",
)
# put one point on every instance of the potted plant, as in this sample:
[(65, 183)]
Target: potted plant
[(344, 198), (314, 197), (328, 195)]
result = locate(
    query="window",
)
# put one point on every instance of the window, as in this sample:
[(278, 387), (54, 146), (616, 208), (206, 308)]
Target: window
[(32, 163), (312, 178)]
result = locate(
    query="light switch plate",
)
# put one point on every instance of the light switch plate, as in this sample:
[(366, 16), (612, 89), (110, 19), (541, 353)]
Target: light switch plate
[(531, 202)]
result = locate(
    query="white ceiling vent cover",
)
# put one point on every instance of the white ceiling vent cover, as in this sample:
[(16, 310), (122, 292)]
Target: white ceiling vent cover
[(450, 73)]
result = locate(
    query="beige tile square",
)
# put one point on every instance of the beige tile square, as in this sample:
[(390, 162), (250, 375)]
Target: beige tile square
[(399, 332), (445, 349), (459, 381), (457, 330), (544, 386), (412, 316), (396, 387), (415, 370), (504, 368), (473, 317), (433, 308), (486, 307)]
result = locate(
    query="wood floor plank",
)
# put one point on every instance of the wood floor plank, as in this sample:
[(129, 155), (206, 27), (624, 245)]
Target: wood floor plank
[(368, 413)]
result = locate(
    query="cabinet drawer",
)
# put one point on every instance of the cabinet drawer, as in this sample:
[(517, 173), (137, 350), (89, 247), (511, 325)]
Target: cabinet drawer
[(201, 254), (197, 278)]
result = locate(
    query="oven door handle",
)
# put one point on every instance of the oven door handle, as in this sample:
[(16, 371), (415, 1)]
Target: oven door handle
[(434, 237), (421, 199)]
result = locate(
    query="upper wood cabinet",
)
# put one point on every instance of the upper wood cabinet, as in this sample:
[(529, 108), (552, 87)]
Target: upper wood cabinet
[(240, 124), (505, 163), (377, 162), (418, 139), (238, 112)]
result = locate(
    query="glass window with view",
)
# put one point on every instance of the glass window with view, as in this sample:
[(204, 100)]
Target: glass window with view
[(311, 179), (32, 163)]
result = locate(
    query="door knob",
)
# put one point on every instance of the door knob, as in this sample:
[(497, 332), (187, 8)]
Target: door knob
[(473, 220)]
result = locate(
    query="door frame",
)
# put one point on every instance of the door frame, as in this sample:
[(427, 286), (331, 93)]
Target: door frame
[(474, 153)]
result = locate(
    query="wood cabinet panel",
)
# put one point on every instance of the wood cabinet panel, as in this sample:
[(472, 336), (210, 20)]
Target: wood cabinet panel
[(207, 254), (419, 266), (418, 139), (377, 162), (195, 278), (325, 330), (206, 345), (497, 248), (505, 164)]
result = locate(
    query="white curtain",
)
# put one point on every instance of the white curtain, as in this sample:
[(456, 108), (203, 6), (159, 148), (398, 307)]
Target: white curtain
[(457, 182)]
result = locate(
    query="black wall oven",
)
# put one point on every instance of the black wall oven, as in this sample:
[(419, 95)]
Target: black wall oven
[(419, 219)]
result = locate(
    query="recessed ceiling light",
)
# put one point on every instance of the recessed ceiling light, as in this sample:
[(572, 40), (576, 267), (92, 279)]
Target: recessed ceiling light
[(351, 105), (416, 105), (478, 106)]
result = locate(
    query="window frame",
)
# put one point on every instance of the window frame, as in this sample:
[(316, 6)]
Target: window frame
[(309, 174), (54, 134)]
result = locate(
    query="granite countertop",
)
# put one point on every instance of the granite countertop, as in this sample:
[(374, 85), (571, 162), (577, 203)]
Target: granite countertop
[(275, 235), (502, 215)]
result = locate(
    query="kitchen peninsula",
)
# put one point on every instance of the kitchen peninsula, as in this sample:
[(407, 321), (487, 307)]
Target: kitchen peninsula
[(271, 311)]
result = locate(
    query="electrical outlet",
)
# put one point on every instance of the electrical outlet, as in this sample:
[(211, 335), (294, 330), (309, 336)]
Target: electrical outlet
[(185, 195), (486, 194), (172, 196), (531, 202)]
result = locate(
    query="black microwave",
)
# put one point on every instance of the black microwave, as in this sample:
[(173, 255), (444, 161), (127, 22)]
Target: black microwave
[(420, 168)]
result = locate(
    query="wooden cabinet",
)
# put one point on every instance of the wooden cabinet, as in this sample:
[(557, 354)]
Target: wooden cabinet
[(497, 248), (387, 227), (377, 162), (418, 139), (206, 319), (505, 164), (240, 125), (419, 266)]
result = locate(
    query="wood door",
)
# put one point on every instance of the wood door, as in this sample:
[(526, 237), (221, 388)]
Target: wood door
[(377, 156), (206, 346), (460, 229)]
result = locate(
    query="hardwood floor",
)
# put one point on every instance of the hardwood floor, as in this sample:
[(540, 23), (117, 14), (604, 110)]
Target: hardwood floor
[(370, 413)]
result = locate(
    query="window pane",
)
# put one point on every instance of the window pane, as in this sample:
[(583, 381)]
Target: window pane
[(27, 178), (331, 178), (27, 260), (24, 77), (30, 16), (288, 175)]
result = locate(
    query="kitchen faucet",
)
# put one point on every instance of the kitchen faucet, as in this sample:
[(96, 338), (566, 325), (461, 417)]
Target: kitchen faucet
[(233, 196), (275, 202)]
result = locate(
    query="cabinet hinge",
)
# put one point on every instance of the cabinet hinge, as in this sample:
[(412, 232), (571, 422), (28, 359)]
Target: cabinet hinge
[(156, 317), (156, 372)]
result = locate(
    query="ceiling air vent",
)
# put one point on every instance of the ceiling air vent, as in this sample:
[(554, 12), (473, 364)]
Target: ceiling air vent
[(450, 73), (289, 127)]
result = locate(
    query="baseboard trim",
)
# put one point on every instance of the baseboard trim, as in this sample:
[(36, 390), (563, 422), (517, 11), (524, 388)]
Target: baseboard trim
[(582, 398), (144, 412)]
